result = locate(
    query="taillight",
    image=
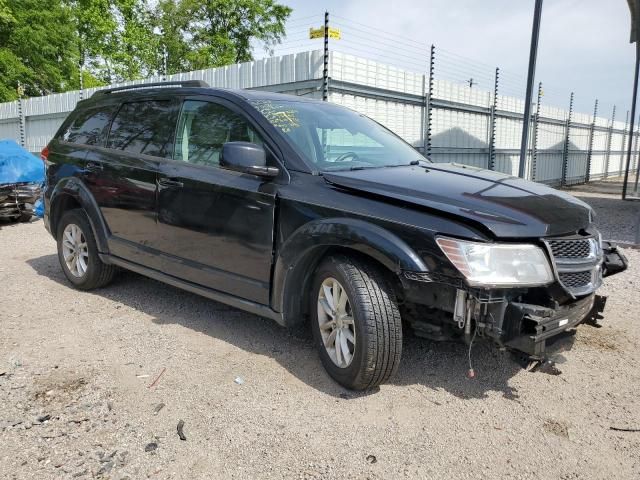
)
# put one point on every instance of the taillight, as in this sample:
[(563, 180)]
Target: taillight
[(44, 154)]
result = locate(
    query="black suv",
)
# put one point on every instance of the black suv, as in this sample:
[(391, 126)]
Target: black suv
[(300, 210)]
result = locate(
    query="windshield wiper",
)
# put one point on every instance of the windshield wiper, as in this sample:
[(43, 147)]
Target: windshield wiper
[(368, 167), (410, 164)]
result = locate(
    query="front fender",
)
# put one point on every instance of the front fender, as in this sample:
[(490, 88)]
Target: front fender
[(298, 254), (74, 188)]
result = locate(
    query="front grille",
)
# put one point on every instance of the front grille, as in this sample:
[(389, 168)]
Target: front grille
[(577, 262), (570, 248), (575, 279)]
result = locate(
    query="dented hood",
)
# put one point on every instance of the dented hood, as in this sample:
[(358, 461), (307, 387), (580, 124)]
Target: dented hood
[(507, 206)]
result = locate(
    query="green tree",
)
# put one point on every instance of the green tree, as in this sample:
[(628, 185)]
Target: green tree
[(201, 34), (45, 44), (95, 26), (37, 48)]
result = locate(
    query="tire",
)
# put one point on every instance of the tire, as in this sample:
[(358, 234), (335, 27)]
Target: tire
[(24, 218), (96, 274), (374, 339)]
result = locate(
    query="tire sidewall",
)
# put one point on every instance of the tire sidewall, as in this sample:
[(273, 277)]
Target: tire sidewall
[(352, 374), (79, 218)]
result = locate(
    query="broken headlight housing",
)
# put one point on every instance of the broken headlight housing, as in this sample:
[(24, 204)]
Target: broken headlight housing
[(496, 264)]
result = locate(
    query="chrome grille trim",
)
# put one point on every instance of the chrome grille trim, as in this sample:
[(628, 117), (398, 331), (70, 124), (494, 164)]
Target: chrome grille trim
[(570, 248), (577, 263)]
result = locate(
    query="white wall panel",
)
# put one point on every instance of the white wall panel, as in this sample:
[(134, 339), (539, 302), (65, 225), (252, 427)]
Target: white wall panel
[(460, 126)]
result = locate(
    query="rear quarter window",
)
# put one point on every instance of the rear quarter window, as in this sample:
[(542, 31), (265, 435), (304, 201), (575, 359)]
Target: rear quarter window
[(90, 126), (144, 127)]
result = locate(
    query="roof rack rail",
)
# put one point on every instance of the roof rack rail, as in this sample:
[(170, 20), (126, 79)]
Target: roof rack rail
[(141, 86)]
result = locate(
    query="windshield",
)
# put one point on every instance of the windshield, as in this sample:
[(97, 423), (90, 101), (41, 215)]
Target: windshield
[(335, 138)]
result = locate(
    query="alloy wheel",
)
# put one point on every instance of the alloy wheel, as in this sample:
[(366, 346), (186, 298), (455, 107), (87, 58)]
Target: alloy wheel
[(335, 318), (75, 250)]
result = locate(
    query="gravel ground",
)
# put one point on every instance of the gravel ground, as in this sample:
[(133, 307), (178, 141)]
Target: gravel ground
[(79, 396), (617, 220)]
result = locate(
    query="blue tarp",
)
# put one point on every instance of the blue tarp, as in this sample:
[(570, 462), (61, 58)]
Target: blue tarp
[(38, 208), (19, 166)]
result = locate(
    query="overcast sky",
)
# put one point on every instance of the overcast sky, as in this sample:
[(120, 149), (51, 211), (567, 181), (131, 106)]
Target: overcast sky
[(584, 44)]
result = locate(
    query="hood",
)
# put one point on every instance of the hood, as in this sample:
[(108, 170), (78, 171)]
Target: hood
[(507, 206)]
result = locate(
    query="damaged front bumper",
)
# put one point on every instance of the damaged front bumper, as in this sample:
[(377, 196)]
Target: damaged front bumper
[(18, 199), (529, 326), (517, 319)]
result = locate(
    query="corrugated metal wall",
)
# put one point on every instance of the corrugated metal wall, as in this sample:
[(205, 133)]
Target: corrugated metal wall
[(457, 127)]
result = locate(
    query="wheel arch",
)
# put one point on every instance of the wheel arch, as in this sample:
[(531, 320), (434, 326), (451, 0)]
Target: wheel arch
[(300, 255), (70, 194)]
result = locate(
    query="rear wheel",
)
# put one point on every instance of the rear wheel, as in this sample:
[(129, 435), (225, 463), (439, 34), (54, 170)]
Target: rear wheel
[(356, 322), (78, 254)]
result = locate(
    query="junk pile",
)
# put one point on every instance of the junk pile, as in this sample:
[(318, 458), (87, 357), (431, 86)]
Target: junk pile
[(21, 179)]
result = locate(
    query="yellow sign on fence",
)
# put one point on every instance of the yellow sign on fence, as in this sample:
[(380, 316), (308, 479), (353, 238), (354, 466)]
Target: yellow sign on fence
[(319, 33)]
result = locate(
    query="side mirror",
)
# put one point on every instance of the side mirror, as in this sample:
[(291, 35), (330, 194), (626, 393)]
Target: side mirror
[(246, 157)]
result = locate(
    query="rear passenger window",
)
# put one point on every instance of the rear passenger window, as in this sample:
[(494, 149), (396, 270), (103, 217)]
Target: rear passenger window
[(144, 128), (204, 127), (90, 126)]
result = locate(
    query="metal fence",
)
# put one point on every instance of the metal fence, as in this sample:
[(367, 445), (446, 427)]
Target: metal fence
[(475, 122)]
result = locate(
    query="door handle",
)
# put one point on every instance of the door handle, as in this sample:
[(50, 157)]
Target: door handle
[(170, 182), (94, 167)]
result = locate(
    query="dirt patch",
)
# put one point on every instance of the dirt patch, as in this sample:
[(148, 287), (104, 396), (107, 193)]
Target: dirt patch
[(58, 387), (602, 339), (557, 427)]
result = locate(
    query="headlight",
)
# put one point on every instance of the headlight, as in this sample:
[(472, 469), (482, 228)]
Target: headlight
[(487, 264)]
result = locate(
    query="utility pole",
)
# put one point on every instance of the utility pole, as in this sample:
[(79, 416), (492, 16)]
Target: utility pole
[(533, 53), (634, 8)]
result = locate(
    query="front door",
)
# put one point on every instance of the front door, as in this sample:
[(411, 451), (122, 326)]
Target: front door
[(215, 226)]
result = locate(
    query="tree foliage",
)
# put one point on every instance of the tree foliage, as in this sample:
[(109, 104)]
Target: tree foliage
[(36, 47), (45, 44), (208, 33)]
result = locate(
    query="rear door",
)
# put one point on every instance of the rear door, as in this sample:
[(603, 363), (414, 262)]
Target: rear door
[(122, 175), (215, 226)]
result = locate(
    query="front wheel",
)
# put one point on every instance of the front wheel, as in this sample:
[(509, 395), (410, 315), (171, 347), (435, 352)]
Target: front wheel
[(356, 322)]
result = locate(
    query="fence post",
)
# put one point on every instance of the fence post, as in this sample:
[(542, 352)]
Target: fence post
[(80, 94), (325, 64), (427, 137), (637, 161), (22, 124), (565, 151), (492, 123), (609, 135), (624, 142), (633, 140), (590, 148), (423, 115), (534, 153)]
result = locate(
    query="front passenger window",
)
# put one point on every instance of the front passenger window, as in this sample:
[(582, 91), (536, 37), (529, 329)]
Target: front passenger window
[(204, 127)]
